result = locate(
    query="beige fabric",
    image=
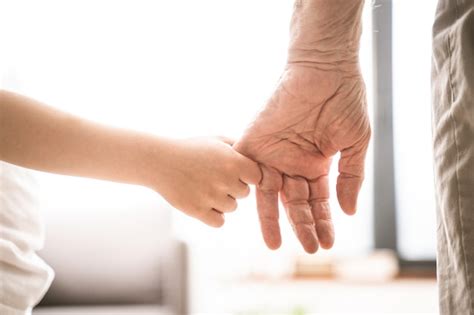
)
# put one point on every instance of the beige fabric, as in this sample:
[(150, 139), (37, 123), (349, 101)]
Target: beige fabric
[(453, 132)]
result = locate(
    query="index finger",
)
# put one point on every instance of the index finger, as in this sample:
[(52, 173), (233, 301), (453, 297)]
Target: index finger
[(267, 206)]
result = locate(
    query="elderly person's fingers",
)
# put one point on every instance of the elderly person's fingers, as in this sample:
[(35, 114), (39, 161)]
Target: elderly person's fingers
[(351, 175), (319, 202), (267, 206), (295, 195)]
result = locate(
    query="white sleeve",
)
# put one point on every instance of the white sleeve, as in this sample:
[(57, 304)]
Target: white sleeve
[(24, 276)]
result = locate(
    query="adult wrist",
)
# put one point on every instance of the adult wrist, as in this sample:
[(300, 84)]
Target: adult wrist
[(326, 33)]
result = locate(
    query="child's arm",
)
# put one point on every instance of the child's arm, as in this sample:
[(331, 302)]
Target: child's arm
[(201, 177)]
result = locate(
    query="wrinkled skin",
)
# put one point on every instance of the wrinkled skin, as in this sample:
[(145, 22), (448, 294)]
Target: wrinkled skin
[(312, 115)]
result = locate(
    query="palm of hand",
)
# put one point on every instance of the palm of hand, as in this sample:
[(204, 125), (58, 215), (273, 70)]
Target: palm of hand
[(312, 115)]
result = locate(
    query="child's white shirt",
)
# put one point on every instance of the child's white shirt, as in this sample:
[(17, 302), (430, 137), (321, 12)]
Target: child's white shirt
[(24, 276)]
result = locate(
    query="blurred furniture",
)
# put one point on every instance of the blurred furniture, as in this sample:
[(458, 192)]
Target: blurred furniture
[(113, 256)]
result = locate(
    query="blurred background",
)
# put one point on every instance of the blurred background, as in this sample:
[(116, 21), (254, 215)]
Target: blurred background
[(190, 68)]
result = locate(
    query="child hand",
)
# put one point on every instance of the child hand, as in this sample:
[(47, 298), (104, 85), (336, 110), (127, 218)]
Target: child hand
[(203, 177)]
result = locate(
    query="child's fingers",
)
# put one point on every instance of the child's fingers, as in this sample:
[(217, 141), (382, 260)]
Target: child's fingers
[(213, 218), (226, 204), (250, 172), (240, 190)]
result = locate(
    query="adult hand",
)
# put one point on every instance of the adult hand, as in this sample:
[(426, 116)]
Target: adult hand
[(313, 114)]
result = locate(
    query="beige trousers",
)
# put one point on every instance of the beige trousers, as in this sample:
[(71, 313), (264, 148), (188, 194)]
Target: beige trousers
[(453, 135)]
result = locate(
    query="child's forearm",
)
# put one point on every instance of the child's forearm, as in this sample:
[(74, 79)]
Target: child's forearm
[(42, 138), (201, 177)]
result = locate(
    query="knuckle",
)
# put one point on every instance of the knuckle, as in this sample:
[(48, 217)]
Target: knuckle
[(199, 213), (229, 167), (221, 186), (216, 193)]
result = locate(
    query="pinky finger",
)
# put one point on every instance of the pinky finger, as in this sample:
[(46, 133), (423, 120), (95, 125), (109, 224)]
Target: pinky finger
[(213, 218)]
